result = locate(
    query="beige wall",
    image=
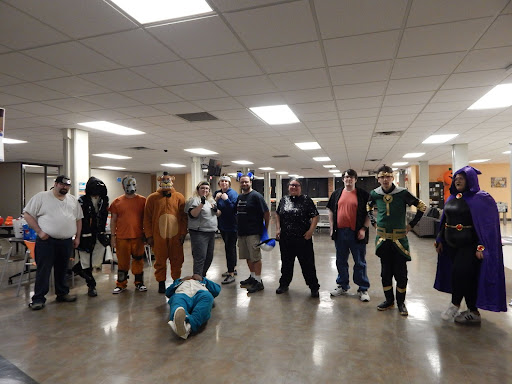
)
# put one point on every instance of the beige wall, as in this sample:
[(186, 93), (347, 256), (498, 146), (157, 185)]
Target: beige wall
[(115, 188), (34, 183)]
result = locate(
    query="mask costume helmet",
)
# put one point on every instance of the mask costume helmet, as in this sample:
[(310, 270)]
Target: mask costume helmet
[(166, 184), (129, 185)]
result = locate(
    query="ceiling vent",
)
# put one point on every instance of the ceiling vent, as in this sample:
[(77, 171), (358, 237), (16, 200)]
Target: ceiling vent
[(373, 159), (198, 116), (279, 156), (387, 133), (306, 168), (141, 148)]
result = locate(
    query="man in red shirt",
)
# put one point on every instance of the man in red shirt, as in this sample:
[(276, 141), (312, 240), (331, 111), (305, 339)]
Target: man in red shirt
[(349, 222)]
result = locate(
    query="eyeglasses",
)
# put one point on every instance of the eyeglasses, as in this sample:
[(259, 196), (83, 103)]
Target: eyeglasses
[(295, 185)]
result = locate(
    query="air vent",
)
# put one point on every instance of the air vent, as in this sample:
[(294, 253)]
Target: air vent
[(371, 172), (279, 156), (306, 168), (141, 149), (387, 133), (198, 116), (373, 159)]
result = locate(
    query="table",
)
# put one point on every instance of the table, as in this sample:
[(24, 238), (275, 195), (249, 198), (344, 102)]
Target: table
[(8, 228)]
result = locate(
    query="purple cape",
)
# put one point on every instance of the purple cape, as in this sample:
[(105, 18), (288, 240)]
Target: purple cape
[(491, 281)]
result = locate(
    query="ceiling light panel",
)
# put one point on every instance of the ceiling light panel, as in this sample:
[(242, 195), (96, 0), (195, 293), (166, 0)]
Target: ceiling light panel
[(307, 146), (201, 151), (242, 162), (111, 156), (439, 139), (413, 155), (276, 114), (400, 163), (321, 158), (173, 165), (116, 129), (498, 97)]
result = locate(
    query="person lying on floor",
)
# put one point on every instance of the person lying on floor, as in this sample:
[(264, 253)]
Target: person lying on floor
[(190, 302)]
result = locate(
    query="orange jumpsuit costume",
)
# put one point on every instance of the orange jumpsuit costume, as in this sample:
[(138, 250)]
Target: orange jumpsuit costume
[(165, 221)]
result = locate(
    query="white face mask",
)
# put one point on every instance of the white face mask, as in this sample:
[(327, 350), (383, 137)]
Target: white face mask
[(130, 186)]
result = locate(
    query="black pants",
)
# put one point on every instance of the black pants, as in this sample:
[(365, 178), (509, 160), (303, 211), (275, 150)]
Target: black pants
[(303, 250), (393, 264), (230, 247), (465, 272)]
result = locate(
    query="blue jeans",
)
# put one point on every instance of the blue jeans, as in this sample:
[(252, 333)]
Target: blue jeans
[(198, 308), (345, 243)]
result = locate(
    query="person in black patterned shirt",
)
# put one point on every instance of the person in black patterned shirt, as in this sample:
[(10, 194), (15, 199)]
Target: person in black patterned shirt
[(296, 220)]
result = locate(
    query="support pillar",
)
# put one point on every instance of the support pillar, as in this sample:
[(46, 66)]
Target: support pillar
[(279, 189), (267, 188), (424, 182), (196, 172), (76, 158), (459, 156)]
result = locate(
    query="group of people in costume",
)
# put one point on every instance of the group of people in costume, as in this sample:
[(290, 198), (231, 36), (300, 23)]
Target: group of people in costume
[(470, 258)]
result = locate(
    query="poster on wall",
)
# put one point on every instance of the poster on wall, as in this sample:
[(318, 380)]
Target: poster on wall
[(2, 126), (498, 182), (81, 188)]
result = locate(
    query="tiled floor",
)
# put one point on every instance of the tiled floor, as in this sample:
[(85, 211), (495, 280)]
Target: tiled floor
[(259, 338)]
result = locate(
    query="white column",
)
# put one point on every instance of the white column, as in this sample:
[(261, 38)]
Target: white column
[(196, 172), (267, 187), (459, 156), (76, 157), (279, 189), (424, 186)]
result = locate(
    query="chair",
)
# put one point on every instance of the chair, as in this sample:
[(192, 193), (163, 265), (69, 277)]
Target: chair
[(28, 262), (5, 254), (147, 251)]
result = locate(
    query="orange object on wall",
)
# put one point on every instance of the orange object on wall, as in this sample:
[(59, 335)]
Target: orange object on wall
[(447, 180)]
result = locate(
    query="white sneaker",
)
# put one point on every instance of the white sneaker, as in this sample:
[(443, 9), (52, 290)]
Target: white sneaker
[(450, 312), (364, 296), (339, 291), (510, 303), (468, 317), (182, 327), (118, 290)]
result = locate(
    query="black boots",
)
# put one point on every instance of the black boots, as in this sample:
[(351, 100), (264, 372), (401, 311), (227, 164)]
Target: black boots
[(161, 287), (400, 301), (389, 302)]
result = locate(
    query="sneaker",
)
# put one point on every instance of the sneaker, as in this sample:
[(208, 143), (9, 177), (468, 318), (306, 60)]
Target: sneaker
[(247, 283), (450, 312), (257, 286), (118, 290), (281, 290), (385, 305), (140, 287), (226, 274), (91, 292), (315, 294), (66, 298), (182, 327), (402, 309), (229, 279), (161, 287), (36, 306), (510, 303), (364, 296), (468, 317), (339, 291)]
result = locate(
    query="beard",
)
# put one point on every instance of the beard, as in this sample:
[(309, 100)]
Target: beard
[(63, 191)]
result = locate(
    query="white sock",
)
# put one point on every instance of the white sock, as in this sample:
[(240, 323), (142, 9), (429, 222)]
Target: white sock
[(258, 278), (253, 275)]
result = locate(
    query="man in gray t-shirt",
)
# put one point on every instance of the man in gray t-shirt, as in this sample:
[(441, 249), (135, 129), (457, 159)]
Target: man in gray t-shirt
[(56, 216)]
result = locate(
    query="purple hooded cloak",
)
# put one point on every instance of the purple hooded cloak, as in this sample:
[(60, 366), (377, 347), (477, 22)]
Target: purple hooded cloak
[(486, 221)]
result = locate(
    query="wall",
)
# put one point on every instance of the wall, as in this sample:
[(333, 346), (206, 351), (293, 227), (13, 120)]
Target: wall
[(10, 190), (34, 183), (115, 188)]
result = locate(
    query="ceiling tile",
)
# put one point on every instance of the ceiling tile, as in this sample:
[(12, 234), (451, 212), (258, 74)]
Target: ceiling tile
[(31, 92), (417, 84), (231, 5), (118, 80), (261, 99), (72, 86), (426, 65), (473, 79), (173, 73), (28, 69), (218, 104), (39, 109), (174, 108), (119, 47), (290, 58), (140, 111), (484, 59), (360, 73), (344, 17), (462, 94), (308, 95), (198, 91), (73, 105), (6, 100), (360, 90), (247, 86), (111, 100), (227, 66), (359, 103), (282, 24), (362, 48), (152, 96), (312, 78), (407, 99), (197, 38)]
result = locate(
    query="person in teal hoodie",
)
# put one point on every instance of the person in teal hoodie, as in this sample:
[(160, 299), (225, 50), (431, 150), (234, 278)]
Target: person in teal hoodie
[(190, 302)]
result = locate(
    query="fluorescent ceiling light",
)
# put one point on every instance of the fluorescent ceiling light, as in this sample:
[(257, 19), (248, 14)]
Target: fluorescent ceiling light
[(479, 160), (111, 128), (173, 165), (506, 153), (329, 166), (413, 155), (334, 170), (242, 162), (293, 175), (282, 173), (438, 139), (308, 146), (275, 114), (322, 158), (201, 151), (233, 174), (151, 11), (266, 168), (112, 168), (498, 97), (400, 163), (337, 174), (12, 141), (111, 156)]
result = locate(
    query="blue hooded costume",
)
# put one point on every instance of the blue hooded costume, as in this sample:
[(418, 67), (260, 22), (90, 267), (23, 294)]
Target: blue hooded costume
[(484, 213)]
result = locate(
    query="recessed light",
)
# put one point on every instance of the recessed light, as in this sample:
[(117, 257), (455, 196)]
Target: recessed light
[(12, 141), (294, 175), (438, 139), (498, 97), (282, 172), (479, 161), (111, 156), (506, 153), (112, 168), (334, 170), (151, 11), (173, 165), (413, 155), (322, 158), (201, 151), (337, 174), (329, 166), (308, 145), (275, 114), (266, 168), (400, 163), (242, 162), (111, 128)]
